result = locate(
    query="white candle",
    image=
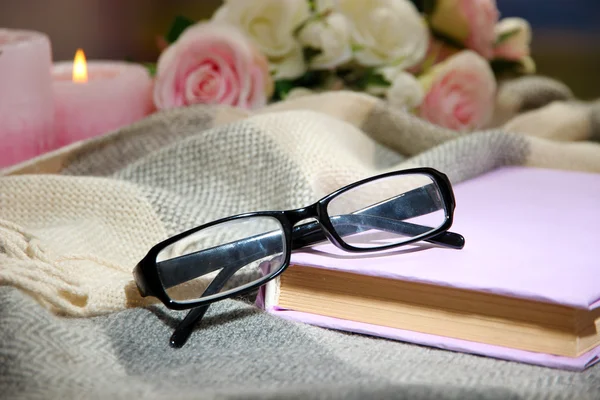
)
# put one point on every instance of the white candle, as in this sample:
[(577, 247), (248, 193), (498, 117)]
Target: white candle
[(26, 98), (114, 94)]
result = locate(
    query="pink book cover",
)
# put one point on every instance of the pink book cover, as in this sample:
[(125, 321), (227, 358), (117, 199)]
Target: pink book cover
[(530, 233)]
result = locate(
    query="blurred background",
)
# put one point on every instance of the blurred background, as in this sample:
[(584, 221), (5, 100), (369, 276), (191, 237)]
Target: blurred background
[(566, 33)]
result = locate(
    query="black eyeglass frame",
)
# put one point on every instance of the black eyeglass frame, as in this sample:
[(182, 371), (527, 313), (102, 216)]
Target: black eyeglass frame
[(146, 273)]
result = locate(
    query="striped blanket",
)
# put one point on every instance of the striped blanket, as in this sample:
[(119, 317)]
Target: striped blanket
[(73, 224)]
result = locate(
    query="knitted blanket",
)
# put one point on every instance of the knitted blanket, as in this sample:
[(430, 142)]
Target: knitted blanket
[(74, 223)]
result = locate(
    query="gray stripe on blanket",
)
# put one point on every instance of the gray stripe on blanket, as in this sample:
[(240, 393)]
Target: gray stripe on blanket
[(123, 147), (534, 91), (223, 171), (241, 353), (403, 132), (460, 156), (469, 156)]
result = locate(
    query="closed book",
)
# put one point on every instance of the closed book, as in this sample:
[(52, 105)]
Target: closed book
[(526, 286)]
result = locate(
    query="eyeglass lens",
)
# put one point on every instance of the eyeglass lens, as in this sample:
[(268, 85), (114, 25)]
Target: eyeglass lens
[(222, 258), (388, 211)]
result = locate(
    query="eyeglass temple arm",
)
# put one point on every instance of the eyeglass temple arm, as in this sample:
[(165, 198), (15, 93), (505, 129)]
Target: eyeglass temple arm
[(310, 233), (185, 327)]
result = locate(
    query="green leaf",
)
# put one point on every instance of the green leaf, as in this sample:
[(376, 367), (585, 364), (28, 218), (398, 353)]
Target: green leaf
[(310, 80), (356, 47), (376, 79), (178, 25), (151, 67), (282, 88), (506, 35), (370, 77)]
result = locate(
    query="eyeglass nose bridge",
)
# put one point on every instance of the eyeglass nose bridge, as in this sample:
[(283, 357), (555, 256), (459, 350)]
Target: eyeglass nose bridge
[(304, 214), (293, 217), (309, 226)]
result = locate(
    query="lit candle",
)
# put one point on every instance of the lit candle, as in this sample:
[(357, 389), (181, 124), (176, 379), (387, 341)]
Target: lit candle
[(96, 97), (26, 99)]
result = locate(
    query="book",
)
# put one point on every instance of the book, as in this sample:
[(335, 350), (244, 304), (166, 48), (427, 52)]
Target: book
[(526, 286)]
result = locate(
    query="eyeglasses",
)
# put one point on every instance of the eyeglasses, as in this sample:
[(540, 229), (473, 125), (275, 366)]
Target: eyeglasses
[(236, 255)]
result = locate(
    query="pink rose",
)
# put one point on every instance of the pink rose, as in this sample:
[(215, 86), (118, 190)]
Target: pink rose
[(459, 92), (513, 36), (482, 16), (469, 22), (212, 63)]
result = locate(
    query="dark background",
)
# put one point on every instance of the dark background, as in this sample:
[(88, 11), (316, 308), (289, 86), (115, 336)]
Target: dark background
[(565, 43)]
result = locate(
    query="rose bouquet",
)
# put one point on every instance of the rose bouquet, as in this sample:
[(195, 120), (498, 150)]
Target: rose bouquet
[(438, 59)]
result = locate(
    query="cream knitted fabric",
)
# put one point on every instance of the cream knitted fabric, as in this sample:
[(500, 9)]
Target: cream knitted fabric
[(71, 242)]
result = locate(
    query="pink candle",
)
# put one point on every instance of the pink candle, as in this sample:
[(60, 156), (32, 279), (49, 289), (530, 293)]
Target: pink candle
[(115, 94), (26, 99)]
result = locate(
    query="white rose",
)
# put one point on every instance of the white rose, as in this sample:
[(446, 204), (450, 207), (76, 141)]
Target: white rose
[(402, 90), (405, 92), (289, 67), (271, 24), (390, 73), (331, 36), (386, 31)]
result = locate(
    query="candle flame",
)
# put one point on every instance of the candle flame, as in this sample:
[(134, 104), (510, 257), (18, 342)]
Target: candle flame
[(80, 73)]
